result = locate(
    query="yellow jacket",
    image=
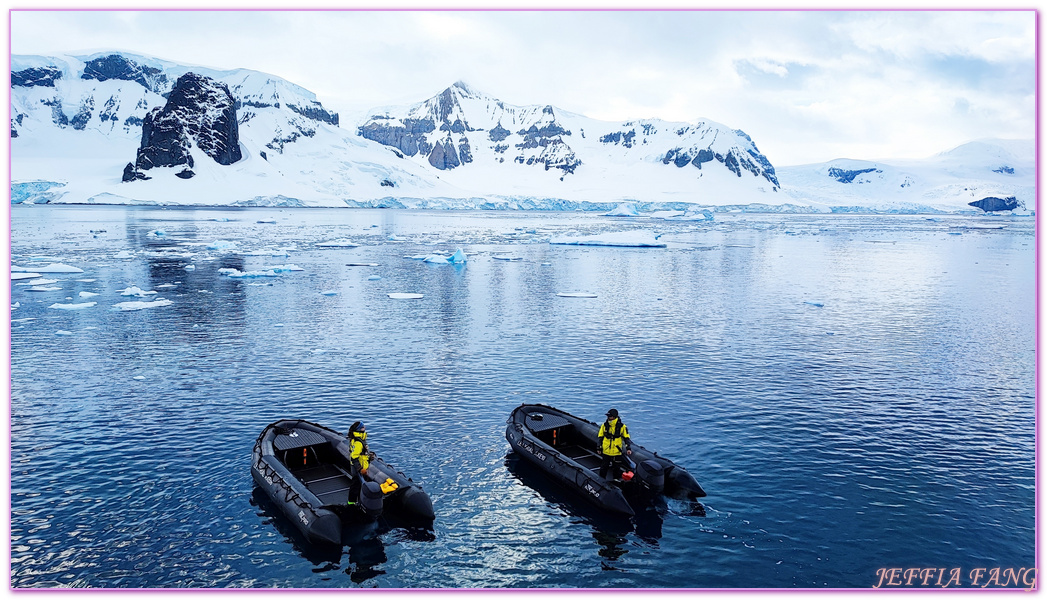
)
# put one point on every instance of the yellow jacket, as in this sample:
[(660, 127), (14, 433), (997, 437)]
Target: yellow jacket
[(359, 452), (612, 435)]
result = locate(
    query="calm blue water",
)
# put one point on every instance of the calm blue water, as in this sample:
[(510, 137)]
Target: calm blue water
[(854, 393)]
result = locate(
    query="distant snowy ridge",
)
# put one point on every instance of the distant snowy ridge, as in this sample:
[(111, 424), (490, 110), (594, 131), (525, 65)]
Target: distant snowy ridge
[(959, 180)]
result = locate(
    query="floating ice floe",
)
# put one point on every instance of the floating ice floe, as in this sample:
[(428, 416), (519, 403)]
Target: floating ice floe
[(818, 304), (139, 377), (79, 306), (238, 274), (330, 292), (625, 239), (16, 305), (87, 294), (342, 243), (123, 254), (44, 288), (221, 245), (63, 332), (190, 267), (86, 280), (43, 281), (508, 258), (374, 278), (547, 264), (23, 275), (266, 221), (362, 264), (625, 209), (455, 259), (54, 268), (157, 233), (404, 296), (139, 305), (284, 268), (576, 295), (162, 286), (134, 290)]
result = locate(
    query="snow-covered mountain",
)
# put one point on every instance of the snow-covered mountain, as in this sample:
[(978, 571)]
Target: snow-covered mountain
[(115, 127), (77, 121), (964, 179), (481, 143)]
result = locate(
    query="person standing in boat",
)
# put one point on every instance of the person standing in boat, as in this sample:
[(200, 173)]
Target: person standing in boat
[(359, 457), (614, 438)]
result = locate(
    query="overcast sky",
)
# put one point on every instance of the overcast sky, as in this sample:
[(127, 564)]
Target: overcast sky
[(806, 86)]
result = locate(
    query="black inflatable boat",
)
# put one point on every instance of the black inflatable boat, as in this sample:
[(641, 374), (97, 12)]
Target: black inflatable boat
[(304, 468), (566, 447)]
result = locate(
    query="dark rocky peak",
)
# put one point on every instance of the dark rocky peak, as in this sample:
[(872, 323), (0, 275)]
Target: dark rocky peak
[(199, 111), (116, 66), (42, 76)]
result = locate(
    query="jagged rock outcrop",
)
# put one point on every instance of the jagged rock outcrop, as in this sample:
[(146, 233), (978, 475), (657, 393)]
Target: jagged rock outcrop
[(43, 76), (200, 111), (116, 66)]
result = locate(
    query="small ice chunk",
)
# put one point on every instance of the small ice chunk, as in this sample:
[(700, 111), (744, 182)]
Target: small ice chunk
[(236, 274), (266, 221), (278, 325), (63, 332), (16, 305), (123, 254), (58, 268), (87, 294), (43, 281), (43, 288), (190, 267), (374, 278), (165, 286), (507, 257), (404, 296), (23, 275), (221, 245), (139, 305), (79, 306), (362, 264), (342, 243), (457, 258), (157, 233), (576, 295), (818, 304), (134, 290), (547, 264), (86, 280), (330, 292), (139, 377)]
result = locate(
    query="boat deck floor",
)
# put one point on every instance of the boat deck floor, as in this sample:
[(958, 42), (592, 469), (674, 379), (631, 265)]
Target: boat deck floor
[(583, 456), (330, 483)]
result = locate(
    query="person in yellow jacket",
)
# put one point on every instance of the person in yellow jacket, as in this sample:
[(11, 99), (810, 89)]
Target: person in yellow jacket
[(359, 458), (614, 438)]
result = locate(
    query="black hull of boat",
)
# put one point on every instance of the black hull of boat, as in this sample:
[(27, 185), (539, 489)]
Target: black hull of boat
[(564, 447), (306, 473)]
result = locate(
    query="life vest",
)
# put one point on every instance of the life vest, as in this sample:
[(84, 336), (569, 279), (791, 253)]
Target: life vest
[(358, 450), (613, 435)]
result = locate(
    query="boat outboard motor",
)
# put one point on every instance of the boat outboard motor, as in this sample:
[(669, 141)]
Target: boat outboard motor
[(371, 498), (651, 473)]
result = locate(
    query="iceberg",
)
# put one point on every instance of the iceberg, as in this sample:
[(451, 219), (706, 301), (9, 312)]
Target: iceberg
[(23, 275), (330, 292), (576, 295), (43, 288), (457, 258), (123, 254), (43, 281), (16, 305), (55, 268), (63, 332), (284, 268), (622, 239), (190, 267), (87, 294), (221, 245), (507, 257), (139, 305), (361, 264), (404, 296), (625, 209), (79, 306), (374, 278), (161, 286)]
